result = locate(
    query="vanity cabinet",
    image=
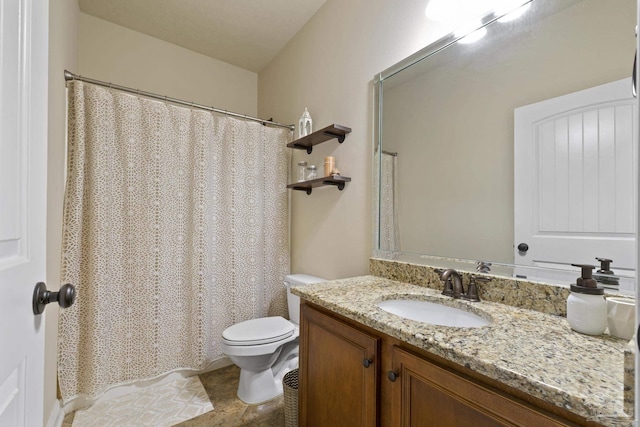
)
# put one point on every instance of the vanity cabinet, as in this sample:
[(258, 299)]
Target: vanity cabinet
[(338, 376), (352, 375)]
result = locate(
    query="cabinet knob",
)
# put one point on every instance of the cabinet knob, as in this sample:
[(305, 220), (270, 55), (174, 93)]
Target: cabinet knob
[(393, 376), (366, 362)]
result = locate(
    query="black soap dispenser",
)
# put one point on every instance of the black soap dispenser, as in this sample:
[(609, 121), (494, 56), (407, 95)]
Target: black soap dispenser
[(586, 306), (605, 276)]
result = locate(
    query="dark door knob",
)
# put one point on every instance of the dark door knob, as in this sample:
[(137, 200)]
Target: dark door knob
[(523, 247), (366, 362), (65, 297), (393, 376)]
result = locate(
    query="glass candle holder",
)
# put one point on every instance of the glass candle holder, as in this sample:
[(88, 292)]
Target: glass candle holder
[(312, 173), (302, 171)]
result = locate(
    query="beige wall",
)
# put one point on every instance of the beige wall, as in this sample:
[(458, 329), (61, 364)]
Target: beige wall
[(329, 68), (63, 53), (116, 54)]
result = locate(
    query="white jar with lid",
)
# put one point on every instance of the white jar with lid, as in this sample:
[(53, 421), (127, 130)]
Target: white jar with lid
[(586, 306)]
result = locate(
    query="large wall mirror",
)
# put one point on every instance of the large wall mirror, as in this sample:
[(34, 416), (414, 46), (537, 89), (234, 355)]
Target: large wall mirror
[(518, 149)]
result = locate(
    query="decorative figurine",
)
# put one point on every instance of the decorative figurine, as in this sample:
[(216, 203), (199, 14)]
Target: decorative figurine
[(305, 125)]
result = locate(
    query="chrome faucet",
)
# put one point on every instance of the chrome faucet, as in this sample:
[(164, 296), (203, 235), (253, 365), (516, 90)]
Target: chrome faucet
[(454, 289)]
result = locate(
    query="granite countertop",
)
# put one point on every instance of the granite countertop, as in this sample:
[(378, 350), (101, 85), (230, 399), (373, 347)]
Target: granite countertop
[(533, 352)]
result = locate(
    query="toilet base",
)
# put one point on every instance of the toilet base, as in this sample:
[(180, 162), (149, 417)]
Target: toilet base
[(257, 387), (260, 386)]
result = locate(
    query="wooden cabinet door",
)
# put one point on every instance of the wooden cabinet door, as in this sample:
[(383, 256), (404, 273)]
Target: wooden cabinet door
[(425, 394), (338, 372)]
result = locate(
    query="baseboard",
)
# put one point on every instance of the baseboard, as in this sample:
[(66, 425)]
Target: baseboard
[(56, 416)]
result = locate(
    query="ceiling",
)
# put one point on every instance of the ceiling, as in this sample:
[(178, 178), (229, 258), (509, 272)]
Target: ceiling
[(245, 33)]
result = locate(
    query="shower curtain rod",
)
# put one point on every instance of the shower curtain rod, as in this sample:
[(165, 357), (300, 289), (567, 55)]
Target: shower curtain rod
[(68, 76)]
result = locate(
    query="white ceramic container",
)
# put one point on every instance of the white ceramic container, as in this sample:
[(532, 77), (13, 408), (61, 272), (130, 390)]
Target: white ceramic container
[(621, 317)]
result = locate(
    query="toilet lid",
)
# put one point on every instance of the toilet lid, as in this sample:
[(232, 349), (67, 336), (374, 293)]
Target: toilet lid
[(258, 331)]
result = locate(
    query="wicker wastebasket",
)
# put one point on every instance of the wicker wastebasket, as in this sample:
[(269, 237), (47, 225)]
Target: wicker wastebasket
[(290, 388)]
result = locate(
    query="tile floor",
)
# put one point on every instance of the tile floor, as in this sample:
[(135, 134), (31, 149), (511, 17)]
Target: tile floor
[(221, 386)]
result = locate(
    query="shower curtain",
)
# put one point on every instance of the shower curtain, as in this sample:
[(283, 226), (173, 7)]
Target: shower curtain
[(175, 227), (389, 230)]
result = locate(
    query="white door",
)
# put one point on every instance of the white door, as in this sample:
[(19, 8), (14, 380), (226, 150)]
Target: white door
[(575, 191), (23, 154)]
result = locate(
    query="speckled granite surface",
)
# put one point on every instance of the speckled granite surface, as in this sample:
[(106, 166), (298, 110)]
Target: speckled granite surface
[(520, 293), (531, 351)]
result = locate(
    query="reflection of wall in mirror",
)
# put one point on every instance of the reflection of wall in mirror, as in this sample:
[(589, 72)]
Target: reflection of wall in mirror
[(453, 126)]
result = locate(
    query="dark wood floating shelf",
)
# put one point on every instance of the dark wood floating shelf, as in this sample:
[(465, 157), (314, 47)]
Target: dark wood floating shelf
[(320, 136), (338, 181)]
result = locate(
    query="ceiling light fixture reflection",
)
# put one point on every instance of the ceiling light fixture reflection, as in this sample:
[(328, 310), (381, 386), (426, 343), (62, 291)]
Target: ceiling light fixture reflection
[(512, 11), (471, 33), (443, 10), (459, 10)]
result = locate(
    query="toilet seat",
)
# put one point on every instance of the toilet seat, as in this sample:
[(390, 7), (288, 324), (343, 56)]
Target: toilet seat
[(260, 331), (269, 332)]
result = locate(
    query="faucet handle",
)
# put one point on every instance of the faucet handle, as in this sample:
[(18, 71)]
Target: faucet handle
[(472, 290), (448, 287), (480, 278), (483, 267)]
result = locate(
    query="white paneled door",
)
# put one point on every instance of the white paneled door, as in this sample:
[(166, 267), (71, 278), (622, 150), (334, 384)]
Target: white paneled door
[(574, 174), (23, 144)]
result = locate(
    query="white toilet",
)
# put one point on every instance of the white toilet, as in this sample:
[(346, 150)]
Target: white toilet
[(265, 349)]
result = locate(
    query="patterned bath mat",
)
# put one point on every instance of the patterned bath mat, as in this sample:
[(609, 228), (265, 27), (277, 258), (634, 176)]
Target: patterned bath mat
[(161, 405)]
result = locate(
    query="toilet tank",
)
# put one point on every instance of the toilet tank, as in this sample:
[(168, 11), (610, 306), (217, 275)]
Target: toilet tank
[(294, 300)]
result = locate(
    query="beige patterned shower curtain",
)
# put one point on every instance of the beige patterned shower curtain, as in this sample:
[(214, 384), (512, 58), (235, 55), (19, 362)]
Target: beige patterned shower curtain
[(389, 227), (175, 227)]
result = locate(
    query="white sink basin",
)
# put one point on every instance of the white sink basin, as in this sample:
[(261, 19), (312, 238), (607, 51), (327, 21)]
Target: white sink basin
[(430, 312)]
